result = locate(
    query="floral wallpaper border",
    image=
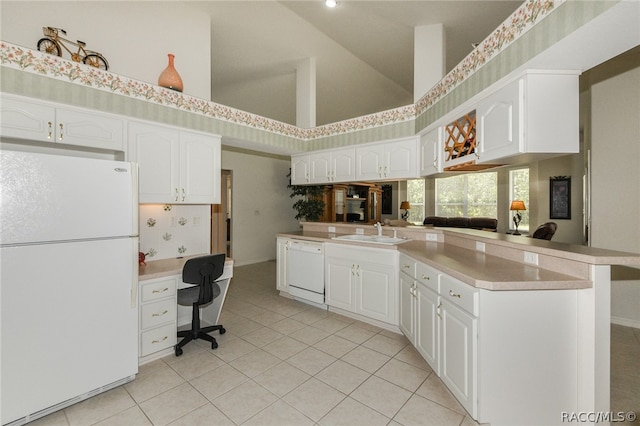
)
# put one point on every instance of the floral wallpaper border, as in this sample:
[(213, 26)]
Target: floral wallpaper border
[(523, 19)]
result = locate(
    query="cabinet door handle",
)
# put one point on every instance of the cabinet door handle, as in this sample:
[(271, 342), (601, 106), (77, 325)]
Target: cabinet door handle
[(61, 136), (438, 310), (183, 194), (405, 266), (160, 291), (50, 130), (385, 171), (161, 340), (355, 269), (452, 294), (426, 277), (160, 314), (177, 195)]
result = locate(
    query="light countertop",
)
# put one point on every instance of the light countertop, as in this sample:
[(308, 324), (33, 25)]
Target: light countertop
[(167, 267), (493, 272)]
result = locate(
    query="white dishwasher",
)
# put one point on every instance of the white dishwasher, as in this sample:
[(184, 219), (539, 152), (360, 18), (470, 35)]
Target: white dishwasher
[(305, 270)]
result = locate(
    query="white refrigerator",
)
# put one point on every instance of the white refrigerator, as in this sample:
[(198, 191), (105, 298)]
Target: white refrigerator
[(68, 280)]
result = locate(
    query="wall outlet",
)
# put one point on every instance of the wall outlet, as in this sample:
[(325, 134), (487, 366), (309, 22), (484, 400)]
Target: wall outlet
[(332, 229), (480, 246), (531, 258), (359, 231), (431, 236)]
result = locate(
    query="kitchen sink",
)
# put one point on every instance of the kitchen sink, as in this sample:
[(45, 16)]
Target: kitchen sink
[(377, 239)]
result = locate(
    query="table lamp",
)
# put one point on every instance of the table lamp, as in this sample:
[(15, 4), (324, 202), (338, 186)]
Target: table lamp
[(406, 206), (517, 206)]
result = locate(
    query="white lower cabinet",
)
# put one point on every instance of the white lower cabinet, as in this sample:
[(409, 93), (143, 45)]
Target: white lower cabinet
[(407, 315), (158, 314), (419, 304), (458, 354), (508, 356), (438, 314), (363, 281), (282, 283), (427, 340)]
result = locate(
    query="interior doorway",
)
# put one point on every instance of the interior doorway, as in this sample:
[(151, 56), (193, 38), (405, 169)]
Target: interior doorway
[(221, 216)]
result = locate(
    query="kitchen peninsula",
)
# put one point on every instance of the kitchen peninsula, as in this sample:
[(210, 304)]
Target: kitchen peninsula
[(517, 328)]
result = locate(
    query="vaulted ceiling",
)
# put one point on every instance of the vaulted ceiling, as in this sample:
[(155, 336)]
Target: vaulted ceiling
[(363, 50)]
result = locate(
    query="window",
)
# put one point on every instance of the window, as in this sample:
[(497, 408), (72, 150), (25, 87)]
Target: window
[(469, 195), (415, 196), (519, 190)]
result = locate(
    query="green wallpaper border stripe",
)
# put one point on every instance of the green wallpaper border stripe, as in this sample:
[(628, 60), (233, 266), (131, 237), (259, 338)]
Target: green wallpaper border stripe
[(563, 19)]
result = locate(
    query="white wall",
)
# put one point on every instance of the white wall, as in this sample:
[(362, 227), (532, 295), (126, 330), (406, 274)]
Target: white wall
[(261, 206), (615, 194), (135, 37), (569, 230)]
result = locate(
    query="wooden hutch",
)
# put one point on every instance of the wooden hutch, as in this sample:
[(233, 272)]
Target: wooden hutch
[(361, 202)]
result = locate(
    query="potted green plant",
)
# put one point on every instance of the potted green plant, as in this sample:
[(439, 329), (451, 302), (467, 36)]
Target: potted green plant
[(310, 206)]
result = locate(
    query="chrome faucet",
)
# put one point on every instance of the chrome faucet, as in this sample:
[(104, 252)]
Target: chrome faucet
[(379, 226)]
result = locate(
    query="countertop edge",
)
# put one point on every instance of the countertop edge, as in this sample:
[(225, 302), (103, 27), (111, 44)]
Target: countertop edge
[(419, 251), (167, 267)]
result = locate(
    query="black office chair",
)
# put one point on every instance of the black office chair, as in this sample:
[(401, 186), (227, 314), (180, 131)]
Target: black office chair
[(545, 231), (202, 271)]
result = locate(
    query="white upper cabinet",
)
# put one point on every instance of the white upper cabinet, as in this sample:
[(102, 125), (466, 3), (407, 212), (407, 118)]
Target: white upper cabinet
[(337, 165), (31, 119), (370, 162), (300, 169), (175, 166), (431, 152), (327, 166), (395, 159), (535, 114), (200, 165)]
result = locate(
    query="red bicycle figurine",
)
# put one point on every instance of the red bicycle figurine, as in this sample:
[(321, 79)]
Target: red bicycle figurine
[(52, 44)]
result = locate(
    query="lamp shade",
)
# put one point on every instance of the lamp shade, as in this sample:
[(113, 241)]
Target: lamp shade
[(405, 205), (517, 205)]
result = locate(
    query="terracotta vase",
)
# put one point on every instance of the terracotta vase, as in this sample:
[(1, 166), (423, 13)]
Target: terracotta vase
[(170, 78)]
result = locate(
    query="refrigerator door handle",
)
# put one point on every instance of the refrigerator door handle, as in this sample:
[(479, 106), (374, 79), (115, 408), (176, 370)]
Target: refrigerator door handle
[(134, 200), (135, 271)]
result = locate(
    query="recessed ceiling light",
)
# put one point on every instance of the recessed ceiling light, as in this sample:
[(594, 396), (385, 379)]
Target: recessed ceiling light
[(331, 3)]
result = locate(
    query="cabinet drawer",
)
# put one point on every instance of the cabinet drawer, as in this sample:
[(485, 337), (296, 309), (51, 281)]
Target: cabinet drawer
[(157, 339), (158, 289), (158, 313), (428, 276), (408, 265), (459, 293)]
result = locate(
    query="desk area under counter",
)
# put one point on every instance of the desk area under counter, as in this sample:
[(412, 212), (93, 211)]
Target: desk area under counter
[(515, 342), (159, 313)]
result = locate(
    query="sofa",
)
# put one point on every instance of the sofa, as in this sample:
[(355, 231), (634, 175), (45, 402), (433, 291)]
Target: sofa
[(483, 223)]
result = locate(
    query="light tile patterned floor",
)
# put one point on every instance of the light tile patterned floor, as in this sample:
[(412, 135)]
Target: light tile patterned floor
[(283, 362)]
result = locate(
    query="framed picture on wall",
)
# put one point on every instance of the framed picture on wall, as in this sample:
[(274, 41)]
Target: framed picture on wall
[(560, 197)]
